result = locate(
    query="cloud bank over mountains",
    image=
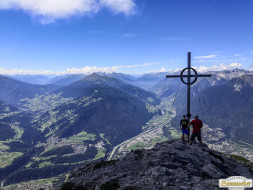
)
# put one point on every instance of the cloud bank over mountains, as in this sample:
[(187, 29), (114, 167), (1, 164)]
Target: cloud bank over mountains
[(84, 70), (220, 67), (89, 70), (48, 11)]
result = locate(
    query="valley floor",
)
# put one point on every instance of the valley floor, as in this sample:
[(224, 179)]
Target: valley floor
[(158, 129)]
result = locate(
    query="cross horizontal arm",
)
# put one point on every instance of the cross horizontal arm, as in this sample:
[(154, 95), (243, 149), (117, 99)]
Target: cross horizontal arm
[(195, 75), (204, 75), (177, 76)]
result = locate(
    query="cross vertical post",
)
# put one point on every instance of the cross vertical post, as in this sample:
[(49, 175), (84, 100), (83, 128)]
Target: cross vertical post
[(189, 82), (189, 88)]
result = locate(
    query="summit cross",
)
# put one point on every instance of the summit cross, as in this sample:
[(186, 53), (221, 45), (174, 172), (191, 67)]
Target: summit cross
[(188, 82)]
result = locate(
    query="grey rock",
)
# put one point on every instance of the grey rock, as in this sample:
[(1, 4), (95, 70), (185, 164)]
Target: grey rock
[(183, 187), (170, 165), (212, 171)]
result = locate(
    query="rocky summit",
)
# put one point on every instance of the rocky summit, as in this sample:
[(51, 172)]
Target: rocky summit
[(168, 165)]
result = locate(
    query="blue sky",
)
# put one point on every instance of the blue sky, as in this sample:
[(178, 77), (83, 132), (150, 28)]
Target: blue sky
[(130, 36)]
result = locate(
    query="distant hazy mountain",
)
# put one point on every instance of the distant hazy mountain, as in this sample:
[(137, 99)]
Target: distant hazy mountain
[(149, 80), (168, 86), (56, 78), (13, 90), (124, 77), (32, 79), (145, 81), (66, 80), (78, 88)]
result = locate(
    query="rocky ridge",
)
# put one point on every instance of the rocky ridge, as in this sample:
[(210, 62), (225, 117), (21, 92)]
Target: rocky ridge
[(169, 165)]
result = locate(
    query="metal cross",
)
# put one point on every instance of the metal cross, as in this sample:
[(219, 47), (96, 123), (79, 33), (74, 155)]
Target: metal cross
[(188, 83)]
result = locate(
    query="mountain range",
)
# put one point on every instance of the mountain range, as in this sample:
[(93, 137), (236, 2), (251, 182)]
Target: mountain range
[(48, 130), (89, 118)]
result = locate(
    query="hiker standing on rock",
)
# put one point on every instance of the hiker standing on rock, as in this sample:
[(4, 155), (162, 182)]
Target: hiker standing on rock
[(184, 126), (196, 132)]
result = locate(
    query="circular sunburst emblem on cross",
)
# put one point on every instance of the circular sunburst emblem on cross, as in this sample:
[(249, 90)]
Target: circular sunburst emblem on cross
[(189, 75)]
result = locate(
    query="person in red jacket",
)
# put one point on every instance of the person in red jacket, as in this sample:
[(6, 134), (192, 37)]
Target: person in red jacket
[(196, 132)]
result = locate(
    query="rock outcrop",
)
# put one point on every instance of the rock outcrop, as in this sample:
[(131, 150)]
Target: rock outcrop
[(169, 165)]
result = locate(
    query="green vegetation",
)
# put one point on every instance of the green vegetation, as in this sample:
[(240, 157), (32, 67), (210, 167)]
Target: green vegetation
[(34, 183), (6, 158), (19, 132), (44, 102), (47, 180), (29, 164), (43, 164), (46, 158), (52, 148), (151, 108), (239, 158), (242, 159), (8, 114), (138, 145), (4, 147), (102, 136), (75, 163), (81, 137), (150, 99), (161, 119), (100, 154), (47, 124), (43, 158), (175, 134), (159, 138)]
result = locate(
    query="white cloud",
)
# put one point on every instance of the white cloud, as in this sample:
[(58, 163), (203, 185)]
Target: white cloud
[(89, 70), (157, 71), (85, 70), (48, 11), (203, 69), (25, 72), (206, 57), (237, 55), (220, 67), (149, 64), (163, 70), (118, 6)]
